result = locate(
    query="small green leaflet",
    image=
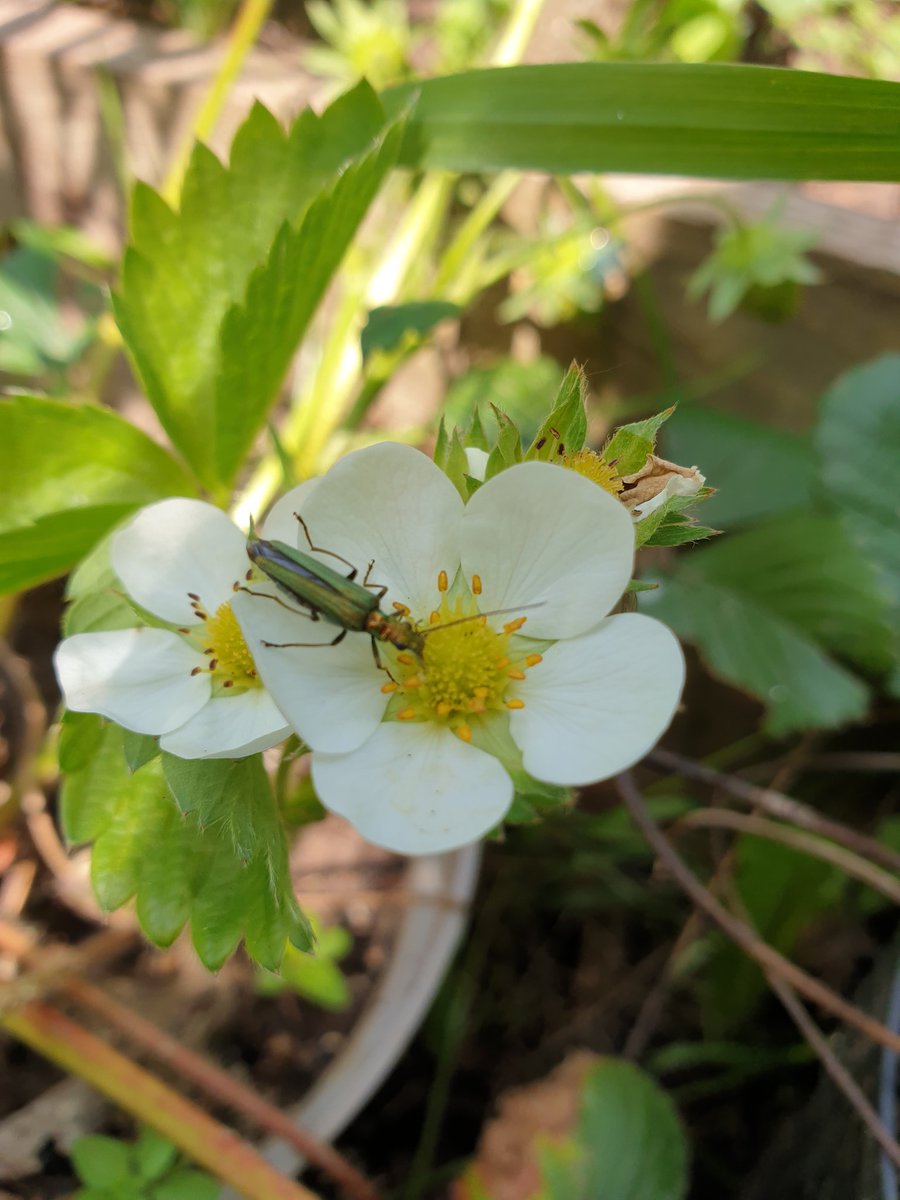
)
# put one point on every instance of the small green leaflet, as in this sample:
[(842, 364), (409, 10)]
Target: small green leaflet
[(388, 326), (208, 866), (565, 428)]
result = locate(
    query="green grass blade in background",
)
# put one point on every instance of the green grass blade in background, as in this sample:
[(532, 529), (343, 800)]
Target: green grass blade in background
[(721, 121)]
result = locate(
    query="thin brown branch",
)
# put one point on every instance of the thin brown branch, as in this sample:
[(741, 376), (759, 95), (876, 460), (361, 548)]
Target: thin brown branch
[(741, 933), (787, 835), (147, 1098), (52, 967), (841, 1077), (777, 804)]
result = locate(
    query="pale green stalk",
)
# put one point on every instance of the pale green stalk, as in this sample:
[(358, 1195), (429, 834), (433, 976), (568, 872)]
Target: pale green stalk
[(250, 20), (317, 412)]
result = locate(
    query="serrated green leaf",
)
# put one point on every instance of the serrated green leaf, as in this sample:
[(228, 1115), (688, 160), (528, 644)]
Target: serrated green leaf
[(803, 568), (90, 754), (230, 793), (630, 445), (721, 121), (236, 228), (68, 474), (754, 649), (194, 872), (565, 429), (758, 471), (389, 325), (260, 335), (671, 525), (858, 444), (101, 1162)]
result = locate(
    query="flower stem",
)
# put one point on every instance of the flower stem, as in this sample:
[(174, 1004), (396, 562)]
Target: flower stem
[(203, 1139), (244, 32)]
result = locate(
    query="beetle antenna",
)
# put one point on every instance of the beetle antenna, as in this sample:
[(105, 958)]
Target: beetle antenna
[(491, 612)]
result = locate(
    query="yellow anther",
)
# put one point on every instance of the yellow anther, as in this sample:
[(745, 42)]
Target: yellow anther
[(483, 692), (463, 732), (502, 663), (433, 618), (414, 681), (532, 660), (406, 714), (514, 626), (402, 609), (514, 703), (515, 673), (443, 582), (389, 687), (406, 659), (476, 585), (443, 709)]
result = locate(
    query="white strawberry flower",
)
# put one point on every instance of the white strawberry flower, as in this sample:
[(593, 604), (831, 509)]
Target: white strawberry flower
[(418, 754), (194, 684)]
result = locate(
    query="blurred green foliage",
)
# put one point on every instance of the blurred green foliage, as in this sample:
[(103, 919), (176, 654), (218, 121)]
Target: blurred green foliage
[(147, 1169)]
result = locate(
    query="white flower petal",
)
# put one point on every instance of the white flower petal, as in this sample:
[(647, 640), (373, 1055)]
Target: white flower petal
[(281, 525), (539, 534), (229, 727), (140, 678), (415, 788), (175, 547), (477, 461), (598, 703), (330, 694), (391, 505)]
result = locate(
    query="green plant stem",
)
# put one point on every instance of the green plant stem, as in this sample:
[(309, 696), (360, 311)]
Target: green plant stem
[(319, 411), (204, 1140), (250, 19)]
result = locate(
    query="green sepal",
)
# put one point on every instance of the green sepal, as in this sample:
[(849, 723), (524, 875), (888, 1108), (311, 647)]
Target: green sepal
[(508, 448), (631, 445), (565, 429), (450, 456), (669, 525)]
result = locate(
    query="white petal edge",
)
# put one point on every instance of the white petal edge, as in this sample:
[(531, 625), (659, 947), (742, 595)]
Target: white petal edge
[(229, 727), (140, 678), (281, 525), (331, 695), (539, 534), (389, 504), (175, 547), (415, 789), (676, 486), (598, 703)]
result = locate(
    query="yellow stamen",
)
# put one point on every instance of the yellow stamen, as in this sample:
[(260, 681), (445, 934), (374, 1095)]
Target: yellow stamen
[(514, 626), (406, 659), (532, 660), (414, 681), (389, 687), (400, 608), (476, 585), (514, 703), (406, 714), (463, 732), (515, 674), (443, 582), (433, 618)]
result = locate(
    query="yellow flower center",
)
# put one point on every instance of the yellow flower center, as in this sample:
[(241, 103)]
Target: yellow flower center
[(594, 467), (466, 669), (230, 661)]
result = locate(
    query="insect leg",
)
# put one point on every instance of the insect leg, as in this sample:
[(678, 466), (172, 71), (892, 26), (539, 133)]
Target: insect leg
[(302, 611), (380, 588), (321, 549), (305, 645)]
